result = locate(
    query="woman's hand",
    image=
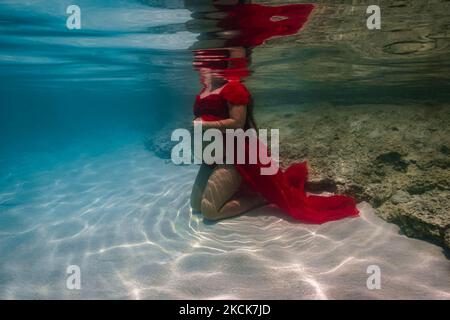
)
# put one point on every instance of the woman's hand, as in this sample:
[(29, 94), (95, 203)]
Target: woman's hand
[(205, 124), (236, 120)]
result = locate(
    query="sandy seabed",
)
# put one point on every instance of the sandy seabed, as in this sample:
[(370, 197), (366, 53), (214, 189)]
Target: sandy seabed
[(123, 217)]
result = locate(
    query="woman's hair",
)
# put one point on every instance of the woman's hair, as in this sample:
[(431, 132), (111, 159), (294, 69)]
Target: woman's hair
[(250, 120)]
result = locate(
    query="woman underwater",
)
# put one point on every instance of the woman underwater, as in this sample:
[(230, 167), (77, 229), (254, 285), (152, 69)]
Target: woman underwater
[(225, 190), (219, 191)]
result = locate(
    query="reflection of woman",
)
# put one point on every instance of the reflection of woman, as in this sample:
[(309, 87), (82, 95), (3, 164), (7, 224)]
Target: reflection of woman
[(218, 191), (222, 191)]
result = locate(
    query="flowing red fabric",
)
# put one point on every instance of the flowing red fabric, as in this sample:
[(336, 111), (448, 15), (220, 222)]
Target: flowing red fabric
[(285, 188), (256, 23)]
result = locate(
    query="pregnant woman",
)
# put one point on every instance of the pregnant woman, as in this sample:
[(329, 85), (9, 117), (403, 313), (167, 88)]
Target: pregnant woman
[(224, 103), (225, 190)]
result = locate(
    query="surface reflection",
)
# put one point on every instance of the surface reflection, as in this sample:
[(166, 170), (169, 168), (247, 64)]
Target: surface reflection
[(225, 54)]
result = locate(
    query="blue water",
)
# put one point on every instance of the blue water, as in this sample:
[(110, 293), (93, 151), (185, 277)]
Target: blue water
[(78, 187), (119, 72)]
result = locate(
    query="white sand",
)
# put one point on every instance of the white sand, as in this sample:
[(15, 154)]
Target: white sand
[(124, 218)]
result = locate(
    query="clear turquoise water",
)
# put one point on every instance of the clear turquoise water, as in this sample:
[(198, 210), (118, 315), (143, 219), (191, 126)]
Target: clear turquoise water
[(77, 185)]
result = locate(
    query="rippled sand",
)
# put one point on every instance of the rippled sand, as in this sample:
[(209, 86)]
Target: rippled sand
[(124, 218)]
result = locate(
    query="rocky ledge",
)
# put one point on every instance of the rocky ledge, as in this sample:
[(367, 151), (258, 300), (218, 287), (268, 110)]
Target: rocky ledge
[(394, 157)]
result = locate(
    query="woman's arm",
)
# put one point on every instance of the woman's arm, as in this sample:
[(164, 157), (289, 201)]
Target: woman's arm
[(238, 114)]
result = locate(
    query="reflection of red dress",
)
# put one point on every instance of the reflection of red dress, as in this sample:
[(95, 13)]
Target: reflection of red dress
[(256, 23), (286, 188)]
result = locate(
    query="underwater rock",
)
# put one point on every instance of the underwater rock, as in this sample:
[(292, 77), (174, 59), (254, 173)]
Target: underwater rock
[(402, 169), (394, 159), (160, 143), (400, 197)]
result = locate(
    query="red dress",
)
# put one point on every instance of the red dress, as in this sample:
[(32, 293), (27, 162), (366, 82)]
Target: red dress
[(286, 188)]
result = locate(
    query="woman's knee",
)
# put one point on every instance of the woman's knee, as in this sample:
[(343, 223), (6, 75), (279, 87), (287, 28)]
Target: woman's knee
[(199, 187), (221, 186)]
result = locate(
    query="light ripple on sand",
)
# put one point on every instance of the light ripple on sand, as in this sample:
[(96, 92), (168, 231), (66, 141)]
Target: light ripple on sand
[(124, 218)]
